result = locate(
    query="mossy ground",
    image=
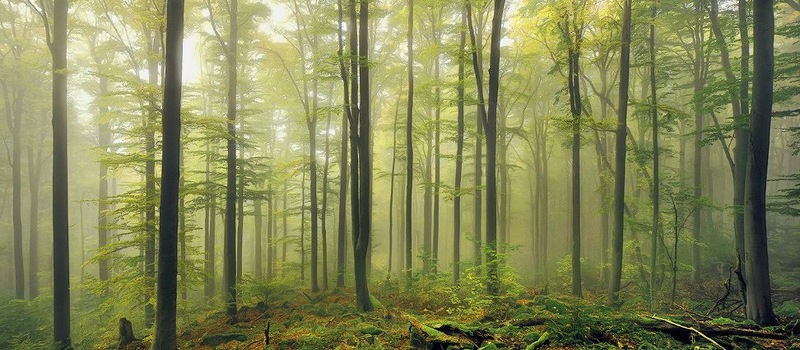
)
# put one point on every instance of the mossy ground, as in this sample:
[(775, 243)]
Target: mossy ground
[(329, 321)]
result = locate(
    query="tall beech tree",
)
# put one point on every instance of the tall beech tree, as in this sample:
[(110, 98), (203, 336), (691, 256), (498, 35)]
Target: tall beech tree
[(165, 328), (756, 256), (621, 151)]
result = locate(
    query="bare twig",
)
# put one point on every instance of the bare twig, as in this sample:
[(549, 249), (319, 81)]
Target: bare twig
[(712, 341)]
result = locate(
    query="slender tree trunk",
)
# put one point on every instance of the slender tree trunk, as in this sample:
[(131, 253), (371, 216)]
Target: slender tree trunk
[(477, 65), (154, 43), (459, 152), (427, 203), (410, 147), (437, 136), (285, 227), (341, 246), (655, 190), (490, 127), (211, 228), (698, 139), (391, 192), (14, 121), (182, 230), (104, 140), (165, 332), (742, 137), (576, 109), (759, 298), (240, 183), (303, 228), (61, 299), (270, 233), (34, 177), (621, 151), (229, 267), (324, 216), (361, 238), (259, 222)]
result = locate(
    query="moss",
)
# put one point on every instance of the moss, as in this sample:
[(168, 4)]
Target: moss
[(367, 328), (221, 338)]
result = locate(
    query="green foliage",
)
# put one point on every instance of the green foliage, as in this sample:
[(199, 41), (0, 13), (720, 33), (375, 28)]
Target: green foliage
[(25, 324)]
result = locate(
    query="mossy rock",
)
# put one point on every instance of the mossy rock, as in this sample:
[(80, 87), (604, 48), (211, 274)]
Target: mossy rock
[(543, 338), (370, 329), (221, 338)]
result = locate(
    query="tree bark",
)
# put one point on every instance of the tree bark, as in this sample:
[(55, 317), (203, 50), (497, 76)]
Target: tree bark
[(229, 267), (61, 299), (410, 147), (154, 48), (655, 190), (165, 336), (759, 299), (341, 246), (619, 176), (459, 153), (104, 140)]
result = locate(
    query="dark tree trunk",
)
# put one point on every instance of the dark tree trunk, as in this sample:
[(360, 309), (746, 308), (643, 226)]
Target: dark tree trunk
[(361, 238), (655, 190), (742, 137), (759, 298), (182, 230), (493, 283), (270, 233), (409, 147), (341, 246), (459, 153), (61, 300), (165, 330), (229, 268), (573, 27), (477, 65), (303, 227), (621, 151), (698, 140), (437, 135), (285, 227)]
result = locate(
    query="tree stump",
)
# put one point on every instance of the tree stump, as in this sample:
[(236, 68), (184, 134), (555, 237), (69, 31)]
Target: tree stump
[(125, 333)]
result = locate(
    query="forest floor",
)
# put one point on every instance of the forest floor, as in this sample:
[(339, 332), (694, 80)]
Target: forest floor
[(440, 319)]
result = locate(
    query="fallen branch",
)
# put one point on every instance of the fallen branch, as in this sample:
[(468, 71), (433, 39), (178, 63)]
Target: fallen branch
[(712, 341)]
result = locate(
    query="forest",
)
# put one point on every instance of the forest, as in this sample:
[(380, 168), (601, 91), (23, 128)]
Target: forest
[(390, 174)]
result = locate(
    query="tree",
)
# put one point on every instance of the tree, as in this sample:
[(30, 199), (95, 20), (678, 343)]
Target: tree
[(619, 176), (165, 331), (459, 152), (756, 257), (58, 50), (490, 129), (361, 236), (410, 145), (229, 255), (341, 247), (655, 190)]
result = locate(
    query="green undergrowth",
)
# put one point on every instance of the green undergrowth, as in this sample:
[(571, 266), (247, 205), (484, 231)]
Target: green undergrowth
[(439, 316)]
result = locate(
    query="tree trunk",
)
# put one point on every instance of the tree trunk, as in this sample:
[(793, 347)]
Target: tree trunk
[(324, 215), (14, 122), (655, 190), (34, 177), (410, 147), (459, 153), (619, 176), (437, 136), (211, 228), (361, 237), (165, 336), (104, 141), (61, 299), (391, 192), (154, 46), (759, 299), (477, 66), (493, 282), (341, 246), (259, 223), (576, 109), (270, 233), (698, 139), (229, 267)]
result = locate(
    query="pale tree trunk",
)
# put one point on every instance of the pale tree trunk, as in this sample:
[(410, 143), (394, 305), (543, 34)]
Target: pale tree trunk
[(154, 46)]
